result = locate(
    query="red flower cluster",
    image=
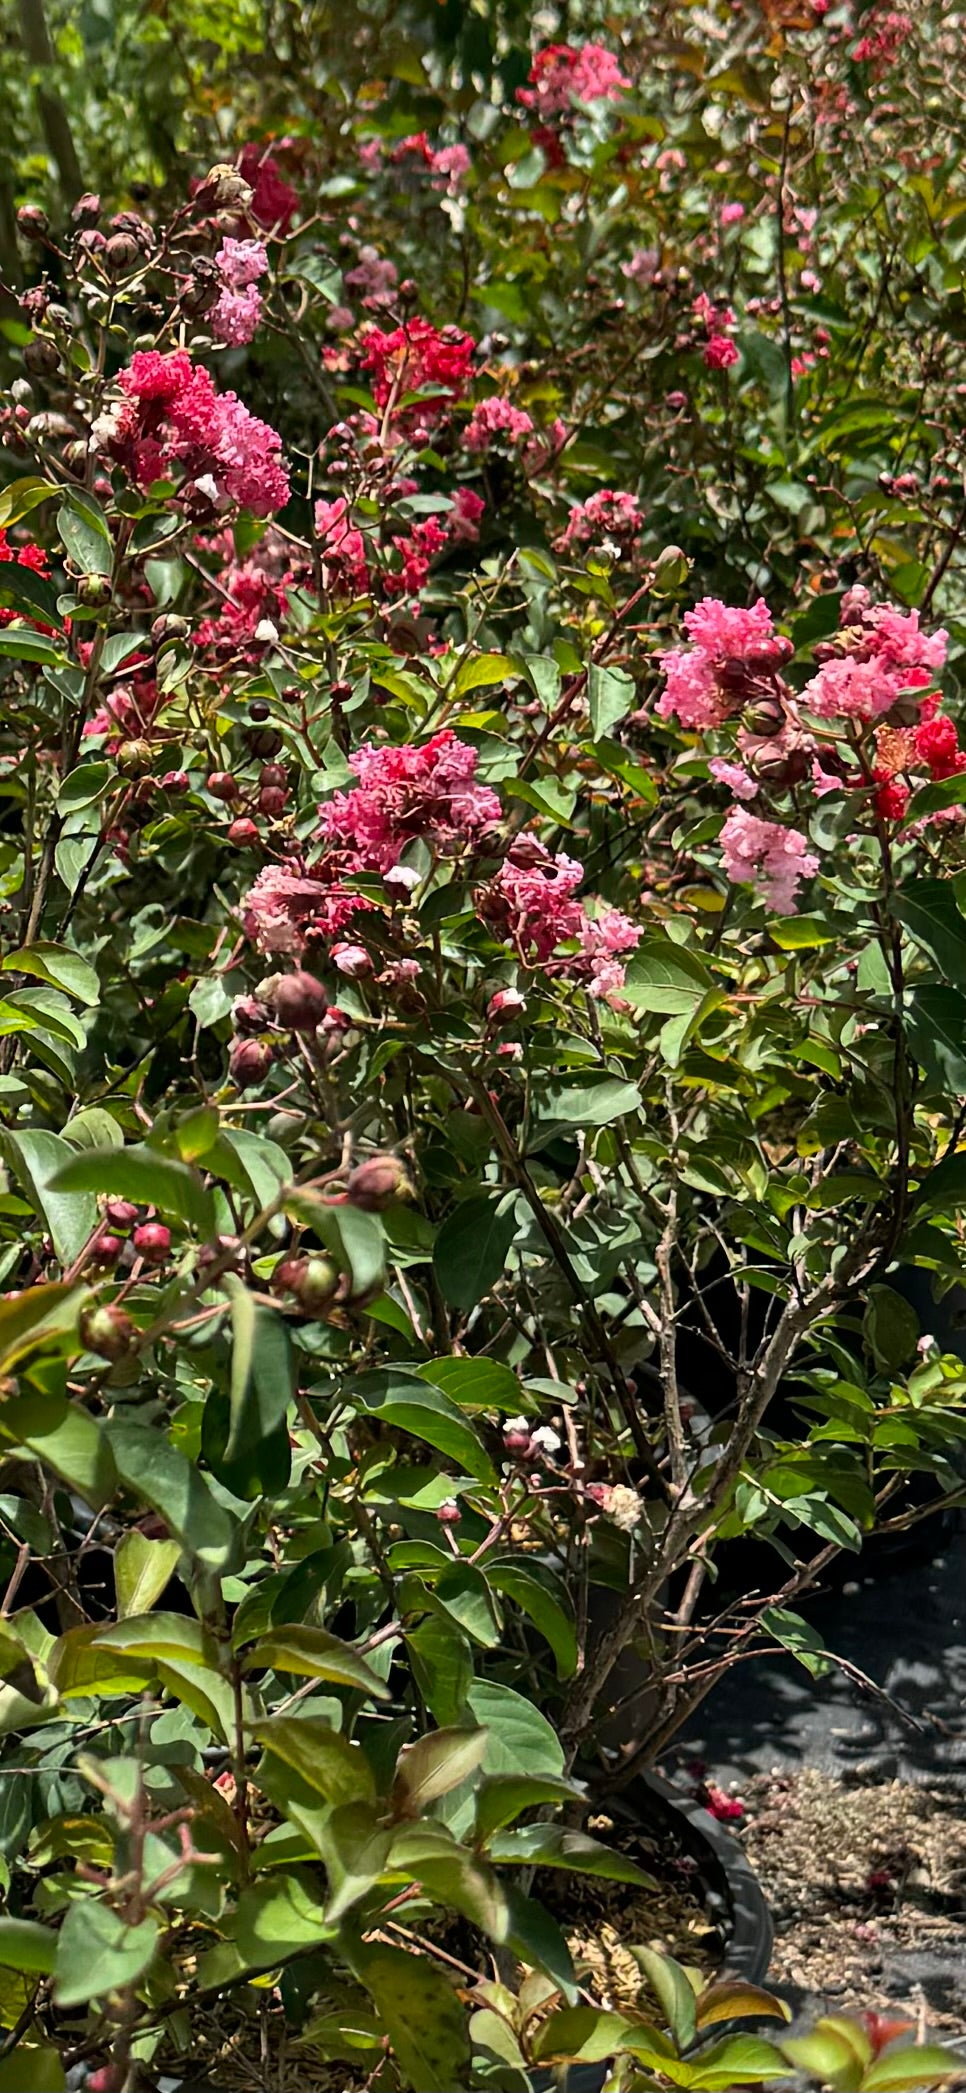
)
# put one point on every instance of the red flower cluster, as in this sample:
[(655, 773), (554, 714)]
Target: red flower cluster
[(171, 414), (32, 556), (274, 201), (418, 357)]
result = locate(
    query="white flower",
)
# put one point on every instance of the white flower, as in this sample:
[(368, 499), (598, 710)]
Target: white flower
[(265, 630), (516, 1424), (546, 1439), (207, 484), (402, 876)]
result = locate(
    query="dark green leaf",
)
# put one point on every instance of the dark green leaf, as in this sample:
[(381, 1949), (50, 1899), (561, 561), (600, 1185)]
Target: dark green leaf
[(472, 1249)]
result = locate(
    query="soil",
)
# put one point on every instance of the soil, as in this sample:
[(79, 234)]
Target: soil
[(864, 1881)]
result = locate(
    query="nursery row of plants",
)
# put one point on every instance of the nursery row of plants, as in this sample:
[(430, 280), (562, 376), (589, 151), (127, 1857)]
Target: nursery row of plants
[(483, 1029)]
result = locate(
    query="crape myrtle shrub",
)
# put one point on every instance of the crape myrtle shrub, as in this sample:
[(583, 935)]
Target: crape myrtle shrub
[(481, 870)]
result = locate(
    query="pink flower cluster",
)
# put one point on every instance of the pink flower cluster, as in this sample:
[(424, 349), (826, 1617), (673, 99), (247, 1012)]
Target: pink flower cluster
[(236, 315), (169, 414), (562, 74), (418, 357), (606, 518), (496, 417), (284, 907), (533, 904), (887, 654), (448, 164), (767, 855), (343, 549), (718, 321), (430, 792), (253, 605), (708, 681), (374, 278)]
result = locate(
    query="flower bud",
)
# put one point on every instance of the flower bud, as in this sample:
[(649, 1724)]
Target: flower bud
[(121, 252), (152, 1241), (32, 222), (42, 356), (106, 1250), (249, 1061), (259, 710), (176, 781), (87, 210), (505, 1005), (224, 189), (134, 758), (222, 785), (298, 1001), (242, 832), (352, 960), (448, 1513), (272, 801), (764, 719), (121, 1213), (314, 1283), (93, 591), (273, 774), (671, 570), (169, 627), (106, 1330), (378, 1183), (263, 741), (248, 1016)]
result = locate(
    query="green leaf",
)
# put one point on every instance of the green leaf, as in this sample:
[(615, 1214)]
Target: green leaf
[(409, 1404), (26, 1946), (731, 1998), (936, 1027), (30, 595), (354, 1844), (32, 2068), (740, 2060), (314, 1654), (142, 1570), (98, 1953), (432, 1766), (146, 1176), (485, 669), (666, 978), (83, 530), (83, 786), (66, 1439), (21, 496), (943, 1190), (518, 1734), (543, 1598), (579, 2034), (70, 1215), (59, 966), (36, 1314), (673, 1991), (911, 2065), (580, 1101), (423, 2017), (163, 1638), (551, 1846), (474, 1384), (890, 1327), (163, 1477), (442, 1665), (274, 1919), (262, 1371), (794, 1634), (504, 1796), (337, 1770), (935, 798), (472, 1248), (611, 694), (927, 908)]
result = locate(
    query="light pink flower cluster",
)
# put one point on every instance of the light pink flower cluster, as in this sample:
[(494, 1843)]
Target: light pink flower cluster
[(170, 414), (374, 278), (887, 653), (533, 904), (496, 417), (702, 689), (718, 321), (284, 908), (767, 855), (562, 74), (605, 518), (430, 792), (235, 317)]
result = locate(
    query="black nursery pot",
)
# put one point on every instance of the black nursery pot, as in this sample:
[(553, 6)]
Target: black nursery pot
[(732, 1894)]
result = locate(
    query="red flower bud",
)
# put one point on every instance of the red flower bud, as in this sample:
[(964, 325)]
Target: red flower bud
[(248, 1015), (121, 1213), (248, 1061), (298, 1001), (272, 800), (107, 1250), (152, 1241), (273, 774), (378, 1183), (242, 832), (222, 785), (175, 781)]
